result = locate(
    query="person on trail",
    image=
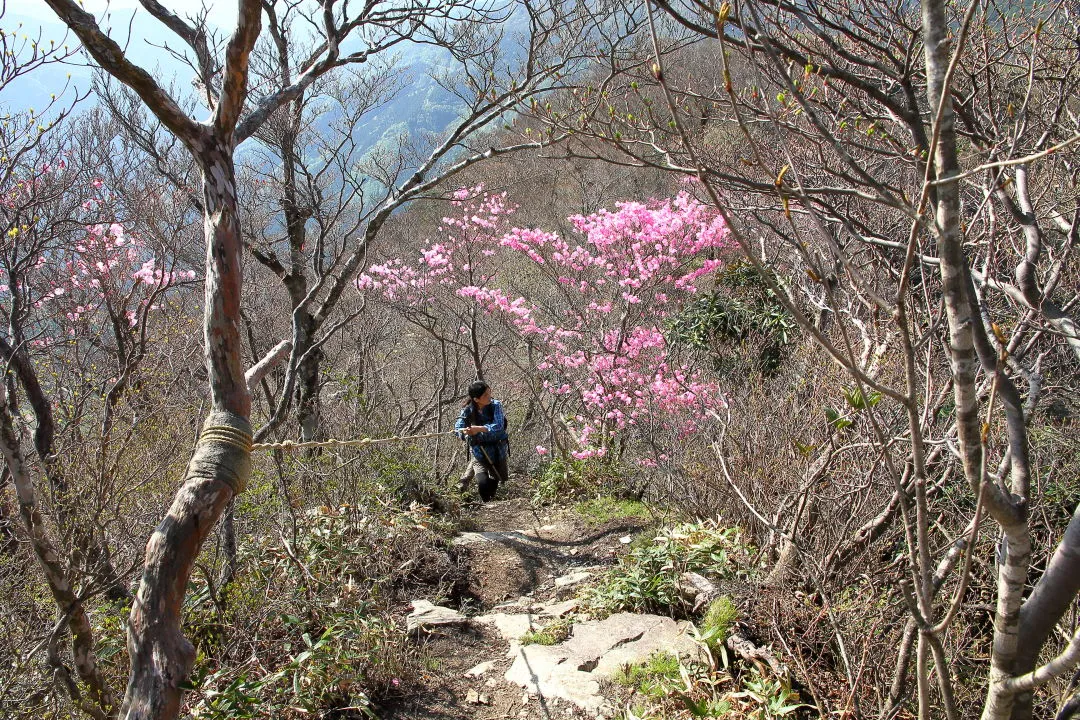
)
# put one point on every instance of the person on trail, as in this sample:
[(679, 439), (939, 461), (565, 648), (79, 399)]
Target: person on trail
[(483, 425)]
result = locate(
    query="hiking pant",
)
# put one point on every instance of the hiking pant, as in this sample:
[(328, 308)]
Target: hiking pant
[(487, 476)]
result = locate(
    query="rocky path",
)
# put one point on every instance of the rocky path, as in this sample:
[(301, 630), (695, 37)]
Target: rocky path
[(526, 569)]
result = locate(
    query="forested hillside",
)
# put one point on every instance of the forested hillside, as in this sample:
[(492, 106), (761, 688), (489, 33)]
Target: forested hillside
[(780, 301)]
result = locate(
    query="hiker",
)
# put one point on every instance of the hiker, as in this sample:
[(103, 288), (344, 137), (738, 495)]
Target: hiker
[(483, 425)]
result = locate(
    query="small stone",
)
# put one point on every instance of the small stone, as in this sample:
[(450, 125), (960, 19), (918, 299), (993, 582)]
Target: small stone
[(564, 584), (480, 669), (426, 615), (625, 539), (472, 697), (484, 699)]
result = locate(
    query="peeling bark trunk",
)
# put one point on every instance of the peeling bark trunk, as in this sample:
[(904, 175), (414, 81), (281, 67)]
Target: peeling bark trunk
[(161, 657)]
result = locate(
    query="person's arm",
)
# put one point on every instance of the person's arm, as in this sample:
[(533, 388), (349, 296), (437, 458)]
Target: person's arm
[(498, 420), (460, 426)]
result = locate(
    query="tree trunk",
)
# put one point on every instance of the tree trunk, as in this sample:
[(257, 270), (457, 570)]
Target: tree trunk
[(99, 566), (101, 703), (963, 323), (1052, 597), (161, 657), (307, 379), (9, 541)]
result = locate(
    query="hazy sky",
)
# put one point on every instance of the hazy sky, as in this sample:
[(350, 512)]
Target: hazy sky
[(221, 13), (118, 16)]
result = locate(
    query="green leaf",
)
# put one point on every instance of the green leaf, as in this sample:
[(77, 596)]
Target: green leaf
[(788, 708), (854, 398), (697, 709)]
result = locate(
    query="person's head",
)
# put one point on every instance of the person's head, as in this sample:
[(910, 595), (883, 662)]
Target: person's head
[(479, 394)]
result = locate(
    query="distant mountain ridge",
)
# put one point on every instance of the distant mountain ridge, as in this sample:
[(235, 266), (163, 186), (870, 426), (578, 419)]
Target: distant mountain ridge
[(420, 106)]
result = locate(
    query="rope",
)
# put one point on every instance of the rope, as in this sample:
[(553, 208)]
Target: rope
[(223, 451), (227, 435), (291, 445)]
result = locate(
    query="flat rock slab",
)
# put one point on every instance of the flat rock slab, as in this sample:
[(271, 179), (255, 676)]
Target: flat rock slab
[(425, 615), (556, 609), (499, 536), (511, 627), (521, 604), (594, 652), (565, 585)]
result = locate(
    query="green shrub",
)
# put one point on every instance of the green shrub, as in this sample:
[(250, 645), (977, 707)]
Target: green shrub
[(739, 314), (646, 579), (767, 696), (342, 666), (567, 478), (312, 609)]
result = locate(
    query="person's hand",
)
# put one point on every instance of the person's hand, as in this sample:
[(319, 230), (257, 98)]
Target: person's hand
[(475, 429)]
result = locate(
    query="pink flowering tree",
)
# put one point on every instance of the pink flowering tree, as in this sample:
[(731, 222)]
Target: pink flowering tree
[(457, 341), (101, 292), (591, 314), (465, 253), (80, 300), (42, 219), (620, 278)]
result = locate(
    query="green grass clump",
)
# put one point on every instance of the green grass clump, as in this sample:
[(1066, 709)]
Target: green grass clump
[(655, 678), (598, 511), (647, 578), (551, 635), (716, 625)]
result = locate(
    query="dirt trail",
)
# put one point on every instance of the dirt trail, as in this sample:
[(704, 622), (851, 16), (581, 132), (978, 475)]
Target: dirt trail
[(524, 565)]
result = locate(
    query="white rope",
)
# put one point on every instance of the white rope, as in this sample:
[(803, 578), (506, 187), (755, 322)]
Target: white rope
[(291, 445)]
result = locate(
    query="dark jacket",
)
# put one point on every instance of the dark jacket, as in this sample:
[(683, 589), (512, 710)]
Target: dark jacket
[(494, 441)]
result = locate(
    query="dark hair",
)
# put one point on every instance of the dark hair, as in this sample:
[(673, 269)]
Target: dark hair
[(477, 389), (474, 392)]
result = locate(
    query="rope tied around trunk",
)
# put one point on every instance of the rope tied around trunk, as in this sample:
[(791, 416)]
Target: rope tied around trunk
[(223, 451)]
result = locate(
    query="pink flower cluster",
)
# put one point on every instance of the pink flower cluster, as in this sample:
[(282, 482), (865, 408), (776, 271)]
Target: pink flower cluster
[(104, 277), (102, 267), (462, 258)]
